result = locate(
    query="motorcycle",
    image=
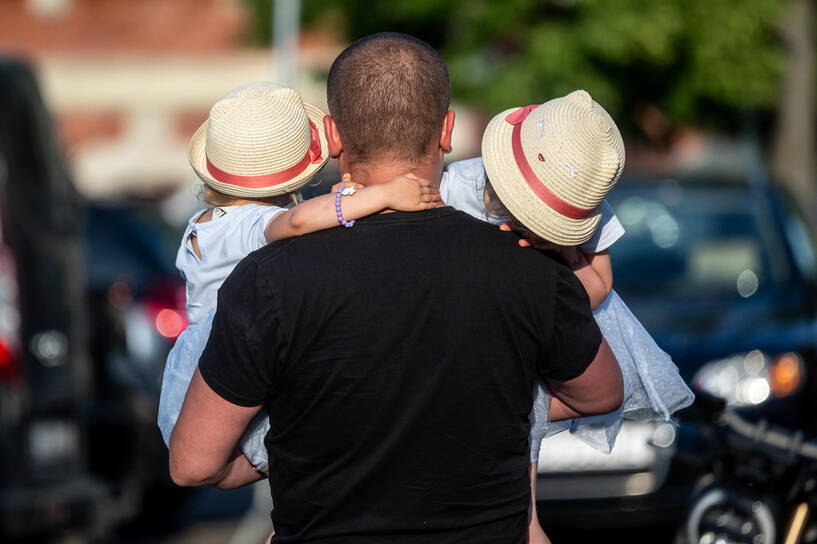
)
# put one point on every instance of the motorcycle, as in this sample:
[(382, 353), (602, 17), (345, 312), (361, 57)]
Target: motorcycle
[(761, 487)]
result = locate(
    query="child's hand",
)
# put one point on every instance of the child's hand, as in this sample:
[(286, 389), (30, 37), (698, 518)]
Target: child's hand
[(408, 193), (346, 183)]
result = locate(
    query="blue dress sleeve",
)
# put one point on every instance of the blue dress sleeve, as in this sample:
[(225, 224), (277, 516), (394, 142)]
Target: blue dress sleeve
[(607, 233)]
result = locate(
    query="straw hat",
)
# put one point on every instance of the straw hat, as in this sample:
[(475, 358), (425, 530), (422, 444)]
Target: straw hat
[(552, 164), (260, 140)]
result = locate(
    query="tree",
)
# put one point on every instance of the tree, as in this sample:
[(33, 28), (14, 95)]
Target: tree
[(714, 64), (699, 61), (794, 142)]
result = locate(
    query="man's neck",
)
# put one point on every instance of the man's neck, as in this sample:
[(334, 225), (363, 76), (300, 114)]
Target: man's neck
[(375, 173)]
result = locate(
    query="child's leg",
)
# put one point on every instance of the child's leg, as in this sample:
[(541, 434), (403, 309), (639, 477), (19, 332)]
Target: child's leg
[(536, 535)]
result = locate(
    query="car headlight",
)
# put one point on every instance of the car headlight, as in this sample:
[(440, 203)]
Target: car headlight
[(751, 378)]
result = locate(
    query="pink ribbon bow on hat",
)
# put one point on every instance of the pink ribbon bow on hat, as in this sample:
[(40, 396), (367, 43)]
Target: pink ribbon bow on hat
[(516, 117)]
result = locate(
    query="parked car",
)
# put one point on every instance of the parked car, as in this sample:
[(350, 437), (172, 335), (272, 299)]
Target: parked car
[(45, 369), (722, 272), (136, 300), (89, 307)]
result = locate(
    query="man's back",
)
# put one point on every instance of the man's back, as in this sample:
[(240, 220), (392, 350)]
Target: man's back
[(396, 360)]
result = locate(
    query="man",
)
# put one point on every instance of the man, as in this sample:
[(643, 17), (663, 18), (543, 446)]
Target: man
[(396, 359)]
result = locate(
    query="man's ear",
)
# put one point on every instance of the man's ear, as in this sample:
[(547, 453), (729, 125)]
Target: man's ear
[(332, 137), (447, 131)]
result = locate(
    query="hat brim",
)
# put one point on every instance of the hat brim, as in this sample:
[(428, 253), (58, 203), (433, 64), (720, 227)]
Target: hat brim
[(520, 200), (198, 160)]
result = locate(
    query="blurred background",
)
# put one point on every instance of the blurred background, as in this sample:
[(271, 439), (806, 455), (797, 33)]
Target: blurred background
[(98, 99)]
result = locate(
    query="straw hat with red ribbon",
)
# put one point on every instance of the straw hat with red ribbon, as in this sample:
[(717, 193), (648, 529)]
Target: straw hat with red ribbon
[(552, 164), (260, 140)]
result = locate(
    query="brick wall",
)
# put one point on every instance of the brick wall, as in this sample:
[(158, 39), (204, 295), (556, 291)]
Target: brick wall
[(128, 80), (113, 74), (120, 26)]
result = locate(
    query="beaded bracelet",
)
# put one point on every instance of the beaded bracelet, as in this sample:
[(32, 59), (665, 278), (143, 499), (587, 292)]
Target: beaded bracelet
[(343, 191)]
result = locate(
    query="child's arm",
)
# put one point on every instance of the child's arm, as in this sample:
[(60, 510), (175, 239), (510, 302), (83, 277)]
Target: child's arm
[(592, 277), (406, 193), (600, 262)]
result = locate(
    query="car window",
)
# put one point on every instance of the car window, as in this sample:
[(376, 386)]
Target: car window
[(801, 241), (688, 240)]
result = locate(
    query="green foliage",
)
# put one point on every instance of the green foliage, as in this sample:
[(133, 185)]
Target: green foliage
[(260, 27), (700, 61)]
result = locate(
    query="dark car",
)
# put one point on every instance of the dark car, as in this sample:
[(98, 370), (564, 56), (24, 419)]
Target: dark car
[(721, 271), (45, 367), (89, 307), (136, 300)]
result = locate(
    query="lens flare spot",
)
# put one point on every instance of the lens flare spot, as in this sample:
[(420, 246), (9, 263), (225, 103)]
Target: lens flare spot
[(169, 323), (786, 375), (747, 283)]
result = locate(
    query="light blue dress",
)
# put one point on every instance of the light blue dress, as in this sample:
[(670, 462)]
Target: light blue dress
[(232, 234), (653, 389)]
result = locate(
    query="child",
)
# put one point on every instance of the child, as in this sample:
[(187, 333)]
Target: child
[(547, 169), (260, 145)]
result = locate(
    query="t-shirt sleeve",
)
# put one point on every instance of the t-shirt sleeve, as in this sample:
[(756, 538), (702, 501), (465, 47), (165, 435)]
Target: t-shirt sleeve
[(607, 233), (575, 337), (253, 224), (236, 363), (463, 186)]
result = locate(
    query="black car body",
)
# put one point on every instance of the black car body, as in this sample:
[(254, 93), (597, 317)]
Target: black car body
[(136, 300), (721, 271), (89, 308), (46, 384)]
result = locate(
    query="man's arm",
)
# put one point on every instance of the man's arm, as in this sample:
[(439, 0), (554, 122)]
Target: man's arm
[(203, 444), (582, 372), (598, 390), (231, 383)]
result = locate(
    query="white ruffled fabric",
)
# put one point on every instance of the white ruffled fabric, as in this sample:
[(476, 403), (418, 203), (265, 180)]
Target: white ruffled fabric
[(653, 388), (181, 364)]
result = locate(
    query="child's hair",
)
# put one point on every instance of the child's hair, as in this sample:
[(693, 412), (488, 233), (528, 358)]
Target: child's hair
[(215, 198), (494, 207)]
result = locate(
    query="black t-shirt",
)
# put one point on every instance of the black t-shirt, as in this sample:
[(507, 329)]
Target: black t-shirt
[(396, 360)]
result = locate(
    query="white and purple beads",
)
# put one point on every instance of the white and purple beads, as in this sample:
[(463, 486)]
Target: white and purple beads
[(343, 191)]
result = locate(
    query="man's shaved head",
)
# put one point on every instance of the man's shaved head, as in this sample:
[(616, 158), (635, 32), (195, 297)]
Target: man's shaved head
[(388, 94)]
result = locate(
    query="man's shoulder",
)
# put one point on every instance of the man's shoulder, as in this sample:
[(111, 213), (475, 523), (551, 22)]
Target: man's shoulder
[(497, 246), (455, 227), (272, 253)]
